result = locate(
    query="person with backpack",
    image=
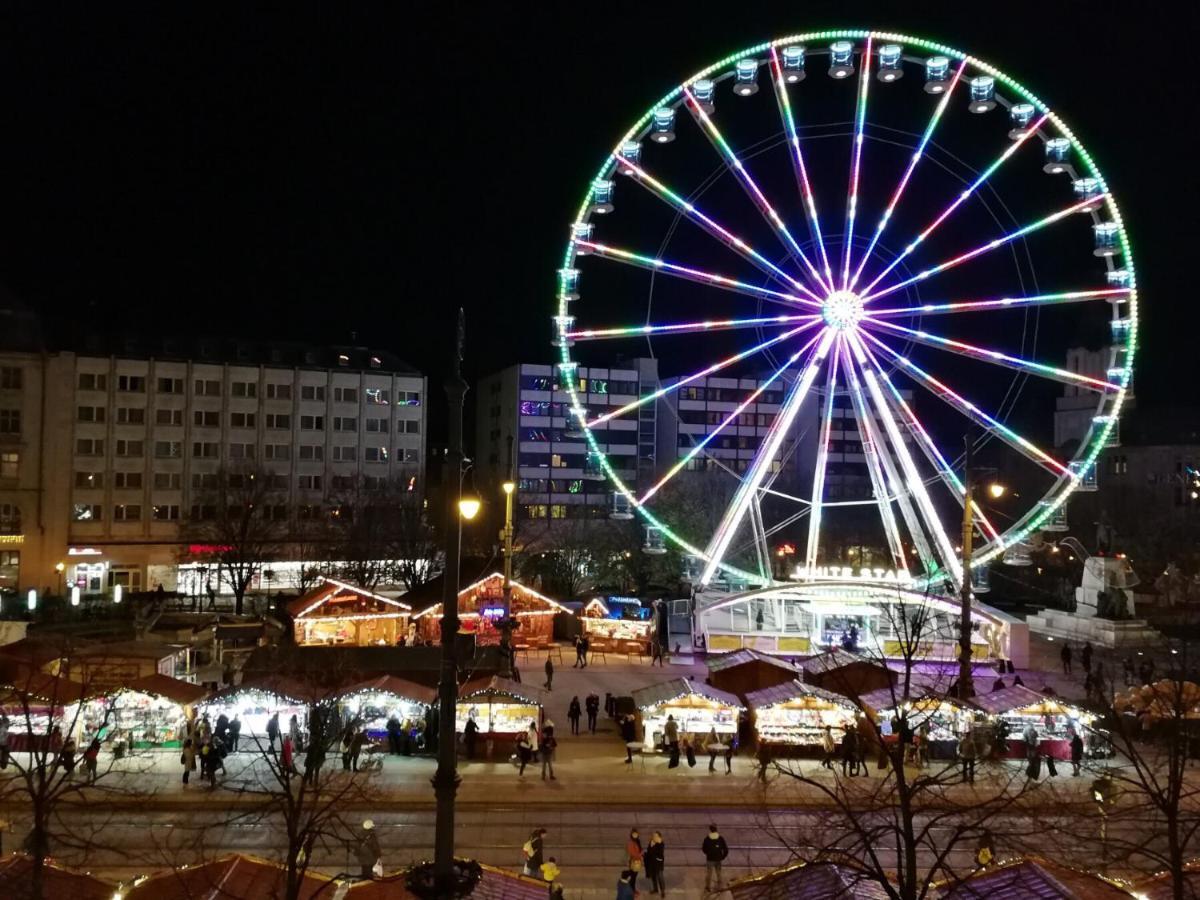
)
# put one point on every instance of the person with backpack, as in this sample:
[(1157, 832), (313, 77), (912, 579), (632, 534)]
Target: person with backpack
[(715, 850), (532, 851), (549, 744)]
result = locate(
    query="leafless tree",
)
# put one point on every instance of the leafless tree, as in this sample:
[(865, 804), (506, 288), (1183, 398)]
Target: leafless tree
[(418, 545), (364, 525)]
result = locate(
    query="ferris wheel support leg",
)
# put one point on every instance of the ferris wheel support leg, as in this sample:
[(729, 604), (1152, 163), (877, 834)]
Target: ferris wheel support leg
[(761, 465), (762, 552), (818, 488)]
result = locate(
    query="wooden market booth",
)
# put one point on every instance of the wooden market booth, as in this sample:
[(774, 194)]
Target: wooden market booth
[(37, 704), (946, 718), (1055, 720), (746, 670), (229, 876), (845, 673), (615, 622), (481, 604), (147, 713), (697, 709), (375, 701), (255, 700), (794, 715), (501, 708), (335, 613)]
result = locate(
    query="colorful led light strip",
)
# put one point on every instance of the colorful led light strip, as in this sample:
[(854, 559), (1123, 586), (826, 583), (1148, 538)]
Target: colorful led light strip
[(860, 123), (662, 392), (721, 281), (691, 454), (818, 489), (801, 171), (956, 203), (957, 400), (995, 356), (978, 251), (1005, 302), (912, 165), (686, 327), (709, 224), (767, 451), (743, 176)]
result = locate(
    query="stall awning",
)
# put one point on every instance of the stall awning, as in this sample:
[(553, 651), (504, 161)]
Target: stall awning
[(502, 687), (298, 692), (810, 881), (40, 688), (742, 657), (1019, 697), (233, 876), (1034, 878), (792, 690), (16, 875), (657, 694), (182, 692), (837, 659), (390, 684), (890, 698), (333, 591)]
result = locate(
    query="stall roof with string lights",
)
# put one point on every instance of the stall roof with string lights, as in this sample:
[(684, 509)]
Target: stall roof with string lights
[(482, 603), (336, 613)]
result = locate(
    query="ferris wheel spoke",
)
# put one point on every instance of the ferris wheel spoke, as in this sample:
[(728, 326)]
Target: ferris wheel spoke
[(818, 488), (936, 309), (760, 466), (860, 123), (912, 165), (956, 203), (929, 448), (1022, 445), (797, 155), (997, 358), (708, 325), (714, 228), (715, 367), (982, 249), (752, 189), (732, 417), (657, 264)]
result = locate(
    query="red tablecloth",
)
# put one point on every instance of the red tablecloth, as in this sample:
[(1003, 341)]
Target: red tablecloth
[(1059, 749)]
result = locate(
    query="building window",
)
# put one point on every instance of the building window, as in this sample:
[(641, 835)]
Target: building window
[(206, 418), (411, 398), (10, 378), (10, 464), (91, 381), (377, 426), (241, 451), (244, 389), (134, 384), (310, 482), (85, 512), (168, 481), (346, 395), (87, 414), (166, 513), (345, 423), (312, 451), (407, 454), (130, 415), (207, 387), (89, 447), (203, 512), (378, 396), (130, 448), (412, 426), (127, 480), (10, 421), (342, 482), (168, 449), (276, 513), (127, 512), (170, 385), (10, 518), (242, 420), (277, 451), (312, 423), (345, 453), (204, 481), (168, 417), (308, 511), (279, 392), (312, 392), (205, 449), (535, 510), (558, 511), (375, 454), (279, 420)]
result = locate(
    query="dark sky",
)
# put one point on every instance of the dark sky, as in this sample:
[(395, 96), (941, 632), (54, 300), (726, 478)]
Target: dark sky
[(306, 172)]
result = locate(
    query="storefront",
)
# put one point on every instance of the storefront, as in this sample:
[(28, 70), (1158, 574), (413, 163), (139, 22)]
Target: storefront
[(149, 713), (500, 708), (255, 702), (372, 703), (941, 720), (696, 708), (1016, 708), (338, 614), (793, 716), (481, 605), (616, 620)]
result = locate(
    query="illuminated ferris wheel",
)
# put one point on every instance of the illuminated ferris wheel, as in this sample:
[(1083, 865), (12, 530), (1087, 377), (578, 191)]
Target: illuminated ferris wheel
[(901, 243)]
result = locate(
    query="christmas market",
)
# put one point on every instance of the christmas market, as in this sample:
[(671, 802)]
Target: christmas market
[(481, 606), (938, 719), (337, 614), (499, 707), (149, 713), (696, 708), (748, 670), (795, 714), (1016, 708), (373, 703), (257, 700), (613, 621)]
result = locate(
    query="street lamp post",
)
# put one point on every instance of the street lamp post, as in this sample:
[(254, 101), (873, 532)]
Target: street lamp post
[(966, 688)]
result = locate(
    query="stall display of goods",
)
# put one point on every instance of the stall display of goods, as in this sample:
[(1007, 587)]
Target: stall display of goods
[(144, 721), (618, 629), (255, 709), (497, 717), (785, 724), (692, 720), (373, 711)]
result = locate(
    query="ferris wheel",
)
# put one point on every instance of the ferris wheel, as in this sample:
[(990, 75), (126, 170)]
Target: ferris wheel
[(899, 243)]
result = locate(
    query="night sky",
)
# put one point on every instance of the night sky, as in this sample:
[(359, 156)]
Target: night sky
[(317, 172)]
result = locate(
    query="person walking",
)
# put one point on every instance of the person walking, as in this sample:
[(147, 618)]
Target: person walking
[(1066, 658), (287, 758), (294, 733), (966, 754), (1086, 657), (187, 759), (394, 731), (729, 748), (91, 759), (655, 863), (574, 712), (763, 756), (370, 855), (580, 661), (533, 850), (628, 736), (549, 872), (592, 705), (1076, 753), (549, 744), (235, 732), (711, 743), (828, 747), (849, 751), (533, 736), (549, 674), (356, 745), (470, 734), (272, 730), (656, 653), (671, 736), (3, 741), (524, 752), (634, 854), (715, 850), (625, 889), (347, 740)]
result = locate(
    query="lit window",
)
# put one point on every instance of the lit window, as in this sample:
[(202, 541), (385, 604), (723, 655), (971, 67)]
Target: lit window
[(377, 396), (85, 512), (127, 512)]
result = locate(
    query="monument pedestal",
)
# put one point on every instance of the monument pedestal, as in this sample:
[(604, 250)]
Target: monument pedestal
[(1109, 633)]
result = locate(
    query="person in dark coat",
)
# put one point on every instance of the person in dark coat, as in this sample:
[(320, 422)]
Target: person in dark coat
[(628, 736), (574, 712), (470, 733), (533, 849), (580, 660), (394, 731), (655, 861), (549, 674), (715, 850), (368, 851), (356, 745), (235, 732), (273, 730), (1065, 653), (1076, 753), (1086, 656), (592, 704), (850, 752)]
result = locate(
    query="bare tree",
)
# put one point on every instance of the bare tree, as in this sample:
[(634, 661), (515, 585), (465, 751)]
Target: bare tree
[(561, 554), (364, 531), (418, 546)]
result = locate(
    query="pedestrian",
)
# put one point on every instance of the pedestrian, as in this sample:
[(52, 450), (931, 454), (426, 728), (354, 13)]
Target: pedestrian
[(729, 748), (1127, 665), (586, 645), (212, 595), (347, 741), (524, 753), (394, 732), (655, 863), (711, 744), (828, 747), (222, 728), (549, 674), (533, 852), (356, 745), (294, 733), (287, 757), (533, 736), (470, 734), (1076, 753), (629, 736), (187, 759), (549, 872), (235, 732), (206, 762), (91, 759), (763, 757), (272, 730), (715, 850), (549, 744), (849, 751), (574, 712), (656, 653), (1051, 768), (861, 746), (634, 854), (592, 705), (671, 735), (1065, 653), (1086, 656), (3, 741), (966, 754), (625, 887), (370, 856), (67, 756), (580, 661)]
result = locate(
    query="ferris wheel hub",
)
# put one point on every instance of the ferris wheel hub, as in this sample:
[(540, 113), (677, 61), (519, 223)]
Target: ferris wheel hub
[(842, 310)]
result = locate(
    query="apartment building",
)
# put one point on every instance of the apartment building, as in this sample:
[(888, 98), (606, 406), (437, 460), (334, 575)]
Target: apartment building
[(105, 450)]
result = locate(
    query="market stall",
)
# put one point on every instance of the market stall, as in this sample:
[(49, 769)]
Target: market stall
[(500, 708), (794, 715), (941, 720), (481, 605), (847, 673), (746, 670), (254, 702), (376, 701), (38, 705), (1016, 708), (616, 620), (147, 714), (697, 709), (336, 614)]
